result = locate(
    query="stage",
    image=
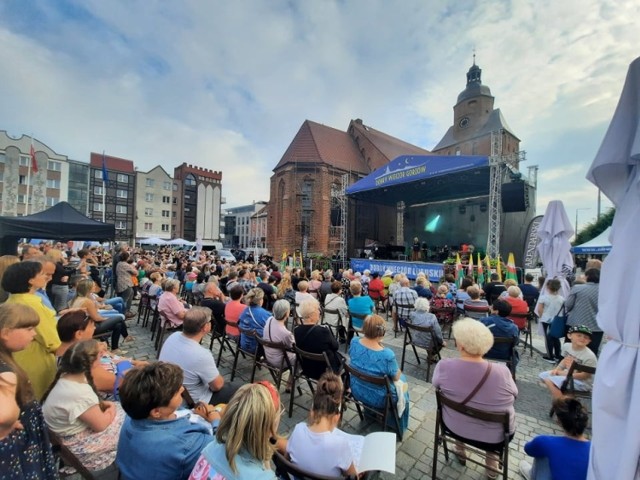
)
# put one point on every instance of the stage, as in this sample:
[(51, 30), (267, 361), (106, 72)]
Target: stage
[(433, 271)]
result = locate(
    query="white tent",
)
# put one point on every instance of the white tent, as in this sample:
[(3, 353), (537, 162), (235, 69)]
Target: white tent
[(152, 241), (180, 241), (599, 245)]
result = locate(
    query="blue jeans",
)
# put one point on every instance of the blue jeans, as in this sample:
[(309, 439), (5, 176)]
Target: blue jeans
[(540, 469), (115, 324), (117, 303)]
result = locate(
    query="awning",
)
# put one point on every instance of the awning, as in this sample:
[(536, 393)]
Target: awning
[(421, 178), (600, 244)]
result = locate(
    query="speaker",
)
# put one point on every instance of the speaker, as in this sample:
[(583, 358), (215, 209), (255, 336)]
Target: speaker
[(515, 197)]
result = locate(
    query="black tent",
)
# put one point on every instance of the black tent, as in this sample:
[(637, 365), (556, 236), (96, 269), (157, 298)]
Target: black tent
[(60, 222)]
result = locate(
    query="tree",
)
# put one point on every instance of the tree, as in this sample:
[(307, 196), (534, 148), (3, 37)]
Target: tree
[(593, 229)]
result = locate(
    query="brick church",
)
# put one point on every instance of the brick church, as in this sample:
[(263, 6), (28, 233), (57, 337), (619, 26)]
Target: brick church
[(301, 201)]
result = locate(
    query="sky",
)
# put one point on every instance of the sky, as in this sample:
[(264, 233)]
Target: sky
[(226, 85)]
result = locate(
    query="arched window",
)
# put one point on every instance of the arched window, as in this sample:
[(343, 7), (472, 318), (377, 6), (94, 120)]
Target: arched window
[(280, 207)]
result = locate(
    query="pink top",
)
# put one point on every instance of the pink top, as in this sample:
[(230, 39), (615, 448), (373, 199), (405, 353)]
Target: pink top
[(171, 306), (232, 312)]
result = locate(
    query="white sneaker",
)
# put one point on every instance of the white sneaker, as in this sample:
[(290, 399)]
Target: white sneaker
[(525, 469)]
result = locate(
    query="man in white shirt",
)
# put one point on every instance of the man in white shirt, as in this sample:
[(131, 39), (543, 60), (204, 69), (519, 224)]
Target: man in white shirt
[(201, 376)]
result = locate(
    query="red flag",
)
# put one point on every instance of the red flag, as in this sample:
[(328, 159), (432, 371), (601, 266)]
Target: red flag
[(34, 164)]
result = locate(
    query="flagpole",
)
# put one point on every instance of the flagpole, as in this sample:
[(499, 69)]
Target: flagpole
[(26, 212)]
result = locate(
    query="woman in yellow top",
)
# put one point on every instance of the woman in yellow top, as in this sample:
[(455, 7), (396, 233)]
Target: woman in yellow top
[(38, 360)]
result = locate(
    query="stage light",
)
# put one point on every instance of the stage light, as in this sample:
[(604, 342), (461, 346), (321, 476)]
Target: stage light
[(432, 225)]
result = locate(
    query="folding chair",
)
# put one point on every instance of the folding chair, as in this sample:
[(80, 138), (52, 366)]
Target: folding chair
[(476, 310), (433, 352), (226, 341), (334, 329), (245, 353), (299, 372), (446, 316), (351, 330), (286, 470), (402, 321), (568, 386), (380, 301), (164, 326), (443, 434), (523, 322), (294, 313), (276, 371), (511, 360), (148, 310), (68, 457), (390, 407)]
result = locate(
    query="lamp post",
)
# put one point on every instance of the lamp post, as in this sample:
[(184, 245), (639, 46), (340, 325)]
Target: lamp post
[(577, 210)]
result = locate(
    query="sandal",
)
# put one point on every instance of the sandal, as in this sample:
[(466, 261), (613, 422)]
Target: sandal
[(129, 338), (461, 457)]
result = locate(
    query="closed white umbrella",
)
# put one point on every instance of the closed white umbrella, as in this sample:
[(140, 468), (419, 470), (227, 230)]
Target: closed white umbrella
[(615, 447), (554, 248)]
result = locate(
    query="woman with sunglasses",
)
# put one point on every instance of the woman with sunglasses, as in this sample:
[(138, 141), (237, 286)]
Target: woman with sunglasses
[(23, 280), (246, 438)]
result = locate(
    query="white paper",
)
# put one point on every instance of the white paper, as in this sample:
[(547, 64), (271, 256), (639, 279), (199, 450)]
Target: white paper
[(376, 451)]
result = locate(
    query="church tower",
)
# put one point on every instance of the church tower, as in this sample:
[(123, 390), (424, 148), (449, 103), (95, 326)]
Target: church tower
[(474, 119)]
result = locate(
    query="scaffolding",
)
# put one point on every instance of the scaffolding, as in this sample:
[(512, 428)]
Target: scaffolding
[(500, 163), (340, 231)]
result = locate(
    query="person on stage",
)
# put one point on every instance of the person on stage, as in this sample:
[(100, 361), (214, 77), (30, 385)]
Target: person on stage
[(415, 250)]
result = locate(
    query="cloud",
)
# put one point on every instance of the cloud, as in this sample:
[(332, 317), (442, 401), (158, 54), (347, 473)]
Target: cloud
[(227, 85)]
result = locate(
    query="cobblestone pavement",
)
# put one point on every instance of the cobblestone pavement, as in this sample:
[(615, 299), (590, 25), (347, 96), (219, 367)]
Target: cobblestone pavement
[(414, 455)]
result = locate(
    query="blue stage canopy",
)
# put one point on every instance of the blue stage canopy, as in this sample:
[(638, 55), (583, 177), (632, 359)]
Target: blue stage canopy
[(416, 178)]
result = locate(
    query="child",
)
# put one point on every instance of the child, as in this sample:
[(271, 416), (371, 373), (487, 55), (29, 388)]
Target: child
[(548, 307), (575, 351), (24, 447), (560, 457)]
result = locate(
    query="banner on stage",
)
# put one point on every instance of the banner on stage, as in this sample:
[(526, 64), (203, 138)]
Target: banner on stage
[(433, 271)]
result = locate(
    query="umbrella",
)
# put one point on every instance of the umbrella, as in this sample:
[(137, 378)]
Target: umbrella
[(152, 241), (554, 248), (615, 447)]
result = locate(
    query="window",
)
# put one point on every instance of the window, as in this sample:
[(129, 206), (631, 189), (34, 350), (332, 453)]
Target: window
[(122, 194), (165, 213), (97, 174), (98, 190), (175, 200), (21, 198), (121, 209), (121, 225), (3, 157), (148, 226), (166, 185), (97, 207), (24, 161), (122, 178), (175, 187), (190, 180), (173, 214), (1, 177), (165, 227), (166, 199), (22, 179), (150, 182), (148, 212), (54, 166), (52, 183), (148, 197), (51, 201)]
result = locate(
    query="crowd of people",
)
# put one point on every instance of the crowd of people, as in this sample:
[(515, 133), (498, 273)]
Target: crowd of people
[(125, 417)]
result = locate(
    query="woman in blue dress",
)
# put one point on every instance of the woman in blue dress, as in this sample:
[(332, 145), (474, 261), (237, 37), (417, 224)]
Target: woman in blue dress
[(369, 356)]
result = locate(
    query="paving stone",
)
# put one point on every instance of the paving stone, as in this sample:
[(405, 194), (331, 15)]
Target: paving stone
[(415, 452)]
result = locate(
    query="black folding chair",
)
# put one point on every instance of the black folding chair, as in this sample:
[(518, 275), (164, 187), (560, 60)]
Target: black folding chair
[(433, 351)]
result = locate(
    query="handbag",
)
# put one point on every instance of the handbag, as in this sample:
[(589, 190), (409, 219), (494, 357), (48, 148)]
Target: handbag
[(558, 323)]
